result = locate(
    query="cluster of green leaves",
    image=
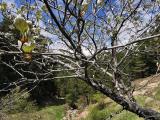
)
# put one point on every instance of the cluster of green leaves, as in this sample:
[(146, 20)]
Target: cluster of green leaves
[(3, 6), (24, 27)]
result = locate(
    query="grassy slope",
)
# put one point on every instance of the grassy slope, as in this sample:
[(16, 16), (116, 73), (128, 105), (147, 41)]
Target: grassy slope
[(111, 107), (146, 97)]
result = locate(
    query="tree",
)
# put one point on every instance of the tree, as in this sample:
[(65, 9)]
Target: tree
[(94, 33), (42, 91), (144, 60)]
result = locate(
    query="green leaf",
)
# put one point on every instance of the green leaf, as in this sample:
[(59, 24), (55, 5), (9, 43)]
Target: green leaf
[(3, 6), (38, 15), (23, 8), (59, 7), (32, 8), (118, 18), (28, 49), (44, 8), (109, 20), (21, 24), (44, 42)]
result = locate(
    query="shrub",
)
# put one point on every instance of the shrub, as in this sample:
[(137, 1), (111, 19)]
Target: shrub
[(17, 101)]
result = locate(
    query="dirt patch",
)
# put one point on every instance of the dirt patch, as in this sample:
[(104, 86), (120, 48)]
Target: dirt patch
[(76, 115), (146, 86)]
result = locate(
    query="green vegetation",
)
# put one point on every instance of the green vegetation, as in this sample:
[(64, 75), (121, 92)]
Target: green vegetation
[(125, 115), (104, 108), (17, 101), (100, 107), (17, 106), (109, 108), (56, 111), (47, 113)]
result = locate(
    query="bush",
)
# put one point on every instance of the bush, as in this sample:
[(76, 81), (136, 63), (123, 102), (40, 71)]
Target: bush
[(17, 101)]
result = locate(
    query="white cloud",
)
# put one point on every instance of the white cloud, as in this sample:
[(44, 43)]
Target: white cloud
[(126, 33), (47, 34), (87, 52)]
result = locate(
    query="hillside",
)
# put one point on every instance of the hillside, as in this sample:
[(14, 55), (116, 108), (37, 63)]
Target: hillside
[(147, 94), (147, 86)]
